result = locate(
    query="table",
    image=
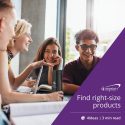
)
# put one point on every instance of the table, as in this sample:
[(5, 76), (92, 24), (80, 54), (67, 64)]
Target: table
[(39, 113)]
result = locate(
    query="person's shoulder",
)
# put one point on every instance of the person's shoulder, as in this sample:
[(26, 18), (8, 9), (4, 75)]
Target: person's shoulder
[(97, 59), (70, 67), (72, 63)]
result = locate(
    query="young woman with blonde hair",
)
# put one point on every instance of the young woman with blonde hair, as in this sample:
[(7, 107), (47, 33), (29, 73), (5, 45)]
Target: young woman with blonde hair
[(21, 42)]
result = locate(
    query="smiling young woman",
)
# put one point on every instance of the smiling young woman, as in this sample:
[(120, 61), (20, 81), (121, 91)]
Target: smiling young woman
[(50, 51), (6, 74)]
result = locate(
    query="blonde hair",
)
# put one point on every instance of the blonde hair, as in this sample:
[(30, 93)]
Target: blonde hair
[(21, 28)]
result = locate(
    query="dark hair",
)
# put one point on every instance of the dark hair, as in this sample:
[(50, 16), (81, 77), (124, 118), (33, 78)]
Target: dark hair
[(42, 48), (86, 34), (6, 4)]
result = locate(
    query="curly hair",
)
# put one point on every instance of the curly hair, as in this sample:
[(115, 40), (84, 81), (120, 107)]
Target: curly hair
[(86, 34)]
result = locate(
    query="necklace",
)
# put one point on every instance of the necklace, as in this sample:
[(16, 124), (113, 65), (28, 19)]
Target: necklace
[(10, 56)]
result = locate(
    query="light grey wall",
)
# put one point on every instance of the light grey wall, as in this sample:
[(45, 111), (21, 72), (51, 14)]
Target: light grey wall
[(34, 12)]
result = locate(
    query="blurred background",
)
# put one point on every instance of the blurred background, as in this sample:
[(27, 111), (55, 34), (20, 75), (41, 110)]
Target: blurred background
[(63, 19)]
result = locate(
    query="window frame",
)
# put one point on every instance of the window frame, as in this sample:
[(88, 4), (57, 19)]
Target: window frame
[(61, 21)]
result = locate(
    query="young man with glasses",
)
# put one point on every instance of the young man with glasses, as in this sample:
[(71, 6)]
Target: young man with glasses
[(77, 71)]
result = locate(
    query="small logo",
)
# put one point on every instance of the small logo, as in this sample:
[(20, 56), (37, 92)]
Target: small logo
[(111, 88), (82, 117)]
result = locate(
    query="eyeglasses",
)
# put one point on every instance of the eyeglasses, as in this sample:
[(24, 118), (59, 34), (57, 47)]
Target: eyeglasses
[(85, 47)]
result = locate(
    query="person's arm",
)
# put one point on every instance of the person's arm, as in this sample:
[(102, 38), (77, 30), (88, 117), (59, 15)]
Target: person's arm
[(30, 80), (68, 82), (50, 75), (58, 61), (17, 81), (69, 88), (29, 83), (9, 96)]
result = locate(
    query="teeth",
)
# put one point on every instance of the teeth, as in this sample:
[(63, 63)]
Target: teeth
[(88, 55), (27, 44)]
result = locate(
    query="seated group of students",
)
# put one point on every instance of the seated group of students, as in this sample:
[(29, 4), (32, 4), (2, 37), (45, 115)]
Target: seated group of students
[(15, 37)]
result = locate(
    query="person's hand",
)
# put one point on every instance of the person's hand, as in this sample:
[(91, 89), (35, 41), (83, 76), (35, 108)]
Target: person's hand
[(55, 96), (57, 60), (40, 63), (29, 83)]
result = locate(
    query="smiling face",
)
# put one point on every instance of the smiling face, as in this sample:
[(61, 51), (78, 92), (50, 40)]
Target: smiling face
[(86, 50), (51, 52), (22, 42)]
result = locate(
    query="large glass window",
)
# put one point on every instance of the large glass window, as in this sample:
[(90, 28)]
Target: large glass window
[(75, 21), (109, 21), (51, 14), (15, 60)]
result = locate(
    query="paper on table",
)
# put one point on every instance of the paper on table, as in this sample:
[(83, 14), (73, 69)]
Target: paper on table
[(45, 87), (24, 89), (46, 119)]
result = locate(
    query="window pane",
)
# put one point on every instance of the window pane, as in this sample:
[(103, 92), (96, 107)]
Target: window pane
[(15, 60), (109, 21), (76, 20), (50, 23)]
